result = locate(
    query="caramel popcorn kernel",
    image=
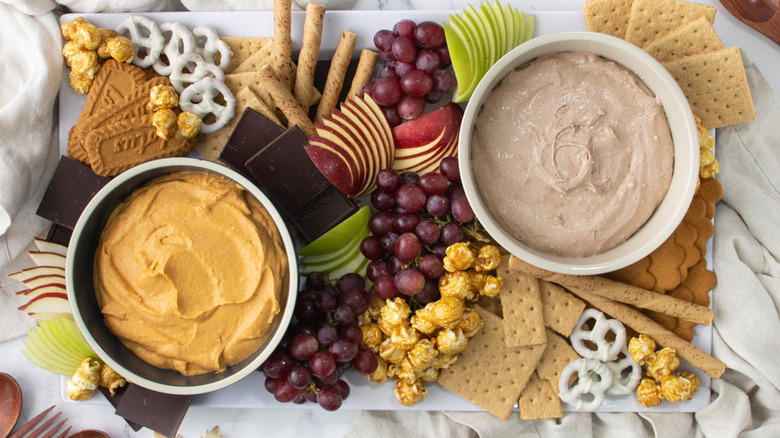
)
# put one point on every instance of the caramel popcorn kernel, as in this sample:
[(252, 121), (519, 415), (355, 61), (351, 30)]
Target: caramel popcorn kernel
[(375, 307), (455, 284), (648, 393), (111, 379), (372, 336), (488, 258), (430, 375), (393, 313), (409, 393), (451, 341), (477, 280), (459, 257), (87, 36), (679, 388), (422, 354), (470, 323), (492, 286), (447, 311), (640, 348), (80, 83), (69, 28), (404, 336), (165, 122), (188, 124), (442, 361), (162, 97), (84, 63), (391, 352), (661, 363), (84, 381), (120, 48), (69, 50), (380, 373), (423, 323)]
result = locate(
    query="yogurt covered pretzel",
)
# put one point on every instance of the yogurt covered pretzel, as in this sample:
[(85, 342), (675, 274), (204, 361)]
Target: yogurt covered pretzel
[(593, 377), (209, 45), (200, 99), (181, 41), (146, 37), (624, 385), (190, 68), (606, 350)]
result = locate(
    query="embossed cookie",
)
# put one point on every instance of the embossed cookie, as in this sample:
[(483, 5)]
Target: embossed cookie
[(113, 83), (119, 146)]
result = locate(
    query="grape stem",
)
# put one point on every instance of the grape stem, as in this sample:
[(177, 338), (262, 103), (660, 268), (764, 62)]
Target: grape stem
[(476, 232)]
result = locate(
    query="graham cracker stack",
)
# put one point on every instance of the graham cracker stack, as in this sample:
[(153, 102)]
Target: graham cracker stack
[(607, 16)]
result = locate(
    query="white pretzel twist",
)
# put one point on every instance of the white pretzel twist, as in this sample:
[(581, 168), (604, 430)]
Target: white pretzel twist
[(209, 45), (587, 370), (623, 385), (144, 34), (200, 99), (180, 42), (190, 68), (606, 350)]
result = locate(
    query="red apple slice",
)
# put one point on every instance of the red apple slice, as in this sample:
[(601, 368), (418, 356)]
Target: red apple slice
[(366, 110), (51, 302), (337, 139), (354, 140), (45, 258), (332, 165), (436, 132), (38, 271), (46, 246), (35, 292), (42, 280), (374, 143)]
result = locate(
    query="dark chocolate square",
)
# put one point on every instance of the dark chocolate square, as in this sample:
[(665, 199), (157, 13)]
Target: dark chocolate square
[(70, 190), (252, 133), (159, 412), (323, 213), (59, 234)]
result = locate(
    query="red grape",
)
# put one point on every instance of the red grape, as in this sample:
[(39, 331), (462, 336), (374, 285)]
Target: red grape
[(394, 265), (310, 395), (430, 292), (330, 379), (315, 281), (437, 205), (285, 392), (352, 331), (433, 183), (405, 28), (388, 71), (343, 350), (388, 241), (409, 281), (384, 287), (356, 299), (341, 388), (410, 108), (303, 346), (433, 96), (270, 384), (299, 376), (376, 269), (427, 61), (387, 56), (278, 365), (382, 201), (350, 281), (306, 310), (410, 198), (444, 81), (410, 178), (381, 222), (455, 190), (388, 180), (406, 222), (402, 68), (444, 56), (404, 49), (387, 91), (371, 248), (431, 266), (407, 247), (368, 88), (322, 364), (383, 40), (415, 84), (329, 400), (391, 114), (429, 34), (461, 210), (452, 233), (449, 167), (428, 232), (365, 360), (327, 334), (327, 299), (343, 315)]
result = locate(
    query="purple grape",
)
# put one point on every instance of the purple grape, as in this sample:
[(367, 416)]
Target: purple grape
[(368, 88), (404, 49), (410, 108), (384, 287), (449, 167), (342, 388), (371, 248), (455, 190), (394, 265), (433, 96), (303, 346), (387, 56), (444, 56), (327, 300), (307, 294), (406, 222), (299, 400), (461, 210), (310, 395), (376, 269), (428, 232), (383, 40), (430, 35), (270, 384), (330, 379), (285, 392), (452, 233), (410, 178), (407, 247), (350, 281), (381, 223), (327, 334), (433, 183), (431, 266), (410, 198), (322, 364), (388, 180), (439, 250), (299, 376), (306, 310), (402, 68), (365, 360), (387, 91), (315, 281), (329, 400), (382, 201), (415, 84), (352, 331), (388, 71), (388, 241), (356, 299), (427, 61), (391, 114), (409, 281), (444, 81), (437, 205), (343, 315), (405, 28), (430, 292), (343, 350)]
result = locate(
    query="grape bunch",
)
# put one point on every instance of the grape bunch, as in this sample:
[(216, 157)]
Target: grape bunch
[(415, 70), (416, 219), (323, 343)]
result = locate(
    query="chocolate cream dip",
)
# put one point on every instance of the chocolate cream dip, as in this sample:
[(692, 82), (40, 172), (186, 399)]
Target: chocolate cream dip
[(572, 153)]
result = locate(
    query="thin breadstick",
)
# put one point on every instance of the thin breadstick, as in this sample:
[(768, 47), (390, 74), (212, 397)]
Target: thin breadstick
[(336, 73), (365, 71), (310, 52), (285, 101), (281, 60), (625, 293), (663, 337)]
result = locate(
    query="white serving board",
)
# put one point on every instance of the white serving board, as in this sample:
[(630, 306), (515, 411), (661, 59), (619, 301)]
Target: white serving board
[(250, 392)]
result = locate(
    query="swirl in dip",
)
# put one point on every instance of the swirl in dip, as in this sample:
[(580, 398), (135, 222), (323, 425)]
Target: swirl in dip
[(189, 272), (572, 153)]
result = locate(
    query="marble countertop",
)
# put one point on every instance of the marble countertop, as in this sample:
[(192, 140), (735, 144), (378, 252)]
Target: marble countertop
[(42, 389)]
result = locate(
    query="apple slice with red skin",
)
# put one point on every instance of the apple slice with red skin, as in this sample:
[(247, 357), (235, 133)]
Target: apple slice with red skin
[(332, 165), (46, 246), (45, 258), (50, 302), (31, 294), (38, 271), (376, 145), (417, 140), (357, 139), (378, 121), (42, 280), (337, 139)]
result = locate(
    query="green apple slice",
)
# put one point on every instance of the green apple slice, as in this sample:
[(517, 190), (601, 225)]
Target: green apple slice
[(491, 11), (488, 35), (529, 27), (357, 265), (459, 55), (476, 57), (57, 346), (339, 235), (348, 259)]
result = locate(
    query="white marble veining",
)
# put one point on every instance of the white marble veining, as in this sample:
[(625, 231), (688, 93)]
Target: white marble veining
[(42, 389)]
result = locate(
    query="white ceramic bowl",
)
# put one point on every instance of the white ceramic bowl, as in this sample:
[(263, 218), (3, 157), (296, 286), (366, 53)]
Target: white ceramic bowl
[(81, 291), (666, 217)]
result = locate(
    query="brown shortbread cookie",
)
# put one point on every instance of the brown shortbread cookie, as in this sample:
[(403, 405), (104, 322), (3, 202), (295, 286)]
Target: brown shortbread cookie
[(636, 274), (119, 146), (696, 288), (711, 191), (664, 264), (113, 83)]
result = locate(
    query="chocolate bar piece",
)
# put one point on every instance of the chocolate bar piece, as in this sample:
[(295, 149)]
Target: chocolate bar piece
[(70, 190), (285, 172), (59, 234), (324, 212), (159, 412), (252, 133), (115, 399)]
